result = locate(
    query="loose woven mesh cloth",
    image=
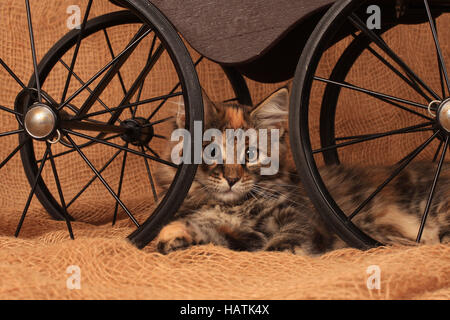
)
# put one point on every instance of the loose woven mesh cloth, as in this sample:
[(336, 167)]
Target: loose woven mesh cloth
[(34, 265)]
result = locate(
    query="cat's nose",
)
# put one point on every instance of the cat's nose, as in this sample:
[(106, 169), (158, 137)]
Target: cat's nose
[(232, 181)]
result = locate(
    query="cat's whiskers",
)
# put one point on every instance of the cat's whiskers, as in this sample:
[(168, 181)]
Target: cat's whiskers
[(274, 194), (252, 194), (264, 193), (271, 184), (198, 195)]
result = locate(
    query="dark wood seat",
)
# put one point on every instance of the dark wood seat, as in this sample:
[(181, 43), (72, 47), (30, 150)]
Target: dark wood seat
[(253, 35), (263, 39), (248, 34), (236, 31)]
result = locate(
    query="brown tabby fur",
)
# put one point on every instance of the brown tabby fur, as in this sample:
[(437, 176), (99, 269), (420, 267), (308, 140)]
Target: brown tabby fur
[(273, 212)]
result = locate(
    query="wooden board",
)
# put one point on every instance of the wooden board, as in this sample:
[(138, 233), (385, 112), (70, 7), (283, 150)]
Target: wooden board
[(236, 31)]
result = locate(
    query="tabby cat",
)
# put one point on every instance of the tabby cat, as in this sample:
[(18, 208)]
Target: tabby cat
[(234, 206)]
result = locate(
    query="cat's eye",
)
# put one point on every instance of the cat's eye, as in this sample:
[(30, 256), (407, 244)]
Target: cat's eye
[(251, 154), (212, 154)]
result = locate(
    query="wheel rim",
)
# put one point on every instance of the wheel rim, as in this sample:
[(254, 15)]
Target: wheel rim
[(68, 123), (306, 151), (44, 120)]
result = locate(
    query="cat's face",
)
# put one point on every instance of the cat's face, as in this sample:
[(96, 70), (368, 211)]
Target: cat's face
[(235, 180)]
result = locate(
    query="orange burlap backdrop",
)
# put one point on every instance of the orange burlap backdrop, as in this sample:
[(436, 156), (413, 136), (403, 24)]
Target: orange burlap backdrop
[(34, 265)]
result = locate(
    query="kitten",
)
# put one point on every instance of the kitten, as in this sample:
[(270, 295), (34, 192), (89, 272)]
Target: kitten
[(234, 206)]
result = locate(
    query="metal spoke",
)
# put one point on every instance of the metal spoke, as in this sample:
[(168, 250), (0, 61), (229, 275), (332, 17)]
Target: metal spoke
[(119, 191), (12, 74), (412, 84), (147, 101), (371, 93), (432, 191), (33, 189), (93, 126), (152, 151), (106, 67), (5, 134), (83, 156), (159, 121), (150, 177), (107, 164), (441, 75), (113, 145), (111, 51), (77, 49), (81, 147), (12, 154), (231, 100), (363, 136), (399, 106), (11, 111), (412, 129), (141, 77), (356, 21), (87, 88), (397, 171), (437, 44), (200, 59), (33, 50), (441, 79), (150, 54), (60, 192), (171, 92), (160, 137), (112, 72), (436, 155)]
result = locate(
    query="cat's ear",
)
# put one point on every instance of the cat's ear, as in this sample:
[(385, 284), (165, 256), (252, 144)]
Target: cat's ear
[(181, 113), (211, 111), (273, 111)]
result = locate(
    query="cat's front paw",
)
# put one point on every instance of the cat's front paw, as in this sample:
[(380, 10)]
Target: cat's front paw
[(282, 244), (445, 239), (172, 237)]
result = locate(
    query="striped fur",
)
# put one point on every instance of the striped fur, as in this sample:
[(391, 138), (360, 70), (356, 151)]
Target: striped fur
[(273, 212)]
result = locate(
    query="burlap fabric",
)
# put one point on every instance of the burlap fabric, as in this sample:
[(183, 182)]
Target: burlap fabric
[(34, 266)]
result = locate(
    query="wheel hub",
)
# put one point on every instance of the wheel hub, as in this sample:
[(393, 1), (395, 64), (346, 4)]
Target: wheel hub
[(443, 115), (139, 133), (40, 121)]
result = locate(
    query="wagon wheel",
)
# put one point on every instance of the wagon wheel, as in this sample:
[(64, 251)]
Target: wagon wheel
[(332, 93), (55, 126), (421, 134), (56, 56)]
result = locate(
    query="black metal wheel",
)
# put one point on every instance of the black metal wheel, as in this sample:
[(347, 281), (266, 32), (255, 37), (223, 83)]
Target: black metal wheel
[(373, 107), (55, 56), (102, 120)]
